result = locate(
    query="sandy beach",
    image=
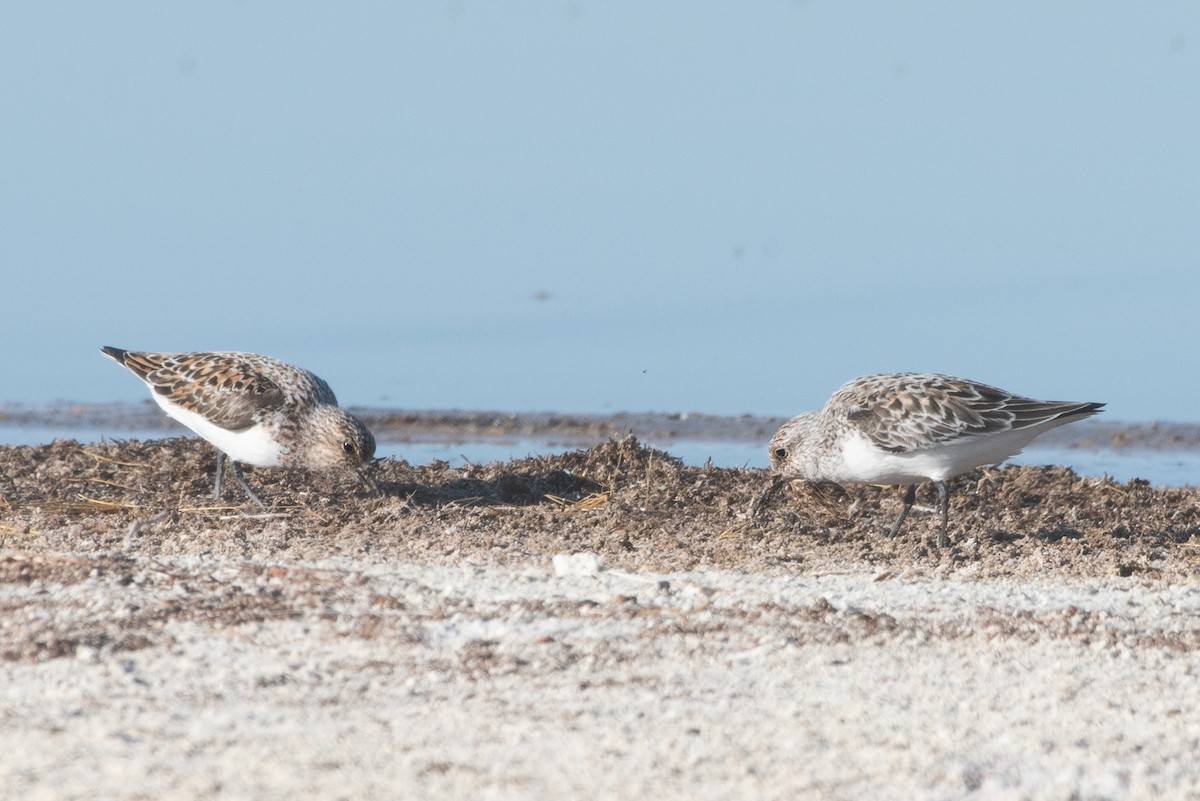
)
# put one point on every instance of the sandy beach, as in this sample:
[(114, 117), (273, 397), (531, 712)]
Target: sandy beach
[(607, 623)]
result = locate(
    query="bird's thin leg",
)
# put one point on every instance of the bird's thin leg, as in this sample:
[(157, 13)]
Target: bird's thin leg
[(944, 503), (235, 470), (217, 484), (909, 497)]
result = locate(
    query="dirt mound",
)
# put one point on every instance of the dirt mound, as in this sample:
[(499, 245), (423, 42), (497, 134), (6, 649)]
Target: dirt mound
[(636, 506)]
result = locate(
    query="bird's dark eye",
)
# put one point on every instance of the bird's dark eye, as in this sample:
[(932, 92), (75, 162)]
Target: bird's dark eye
[(348, 447), (781, 453)]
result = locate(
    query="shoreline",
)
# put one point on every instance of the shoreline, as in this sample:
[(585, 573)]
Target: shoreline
[(434, 425)]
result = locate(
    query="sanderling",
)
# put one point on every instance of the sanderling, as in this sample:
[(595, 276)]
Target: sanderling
[(906, 428), (255, 410)]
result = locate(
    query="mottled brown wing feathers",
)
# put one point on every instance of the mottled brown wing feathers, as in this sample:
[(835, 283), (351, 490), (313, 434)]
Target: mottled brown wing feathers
[(219, 386), (924, 410)]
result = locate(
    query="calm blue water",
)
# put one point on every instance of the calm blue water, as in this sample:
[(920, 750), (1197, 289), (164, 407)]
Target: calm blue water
[(603, 205), (1161, 468), (1174, 468)]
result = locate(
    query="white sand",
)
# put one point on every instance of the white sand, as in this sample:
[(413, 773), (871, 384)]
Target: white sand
[(411, 681)]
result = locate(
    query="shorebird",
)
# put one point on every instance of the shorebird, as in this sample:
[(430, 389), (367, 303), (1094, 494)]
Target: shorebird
[(255, 410), (908, 428)]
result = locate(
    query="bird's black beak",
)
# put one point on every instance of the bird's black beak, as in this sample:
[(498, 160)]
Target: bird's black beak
[(366, 478), (763, 499)]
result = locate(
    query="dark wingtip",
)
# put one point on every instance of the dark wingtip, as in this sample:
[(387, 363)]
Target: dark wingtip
[(116, 354), (1085, 410)]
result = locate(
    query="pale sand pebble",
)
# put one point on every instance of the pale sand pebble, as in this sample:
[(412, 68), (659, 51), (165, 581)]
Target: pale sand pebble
[(410, 681), (577, 564)]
